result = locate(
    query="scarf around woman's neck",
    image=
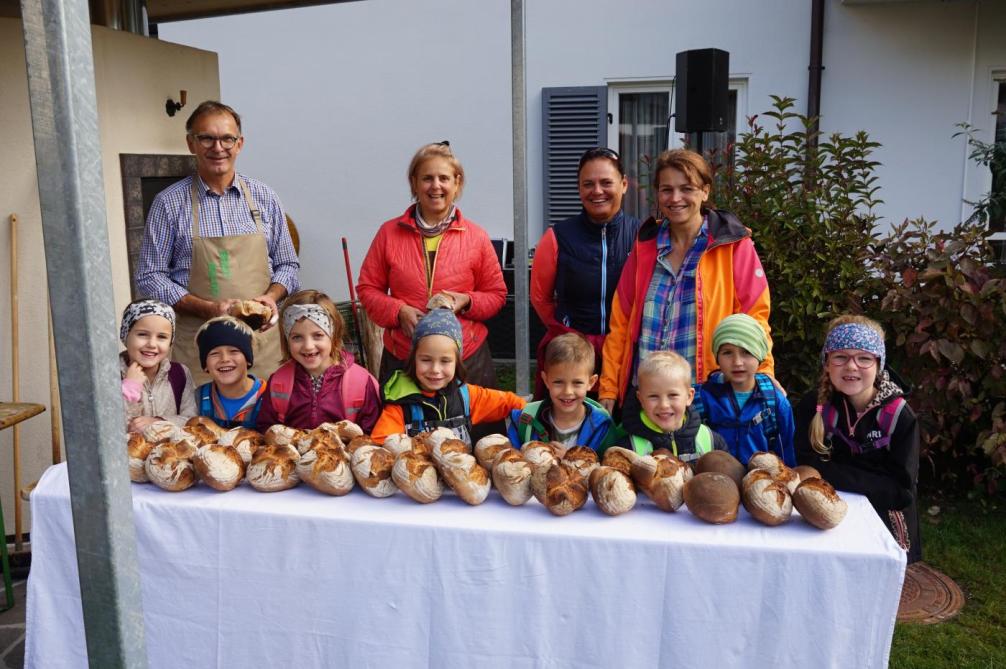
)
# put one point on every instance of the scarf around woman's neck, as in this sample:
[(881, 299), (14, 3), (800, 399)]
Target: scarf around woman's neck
[(427, 230)]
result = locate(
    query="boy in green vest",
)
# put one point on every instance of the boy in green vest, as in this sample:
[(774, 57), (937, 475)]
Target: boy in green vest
[(661, 417), (567, 415)]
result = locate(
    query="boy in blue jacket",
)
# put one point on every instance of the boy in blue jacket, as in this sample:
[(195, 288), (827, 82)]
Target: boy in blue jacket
[(567, 415), (744, 406)]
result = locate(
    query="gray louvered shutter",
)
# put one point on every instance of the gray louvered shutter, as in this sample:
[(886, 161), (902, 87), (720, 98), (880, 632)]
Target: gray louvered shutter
[(573, 120)]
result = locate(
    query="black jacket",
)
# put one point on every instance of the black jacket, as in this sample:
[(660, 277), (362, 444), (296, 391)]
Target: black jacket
[(681, 441)]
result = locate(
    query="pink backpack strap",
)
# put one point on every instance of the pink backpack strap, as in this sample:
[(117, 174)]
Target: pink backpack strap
[(280, 387), (887, 420), (355, 382)]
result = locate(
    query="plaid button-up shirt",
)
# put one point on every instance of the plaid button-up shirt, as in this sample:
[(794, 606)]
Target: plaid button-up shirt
[(166, 251), (669, 314)]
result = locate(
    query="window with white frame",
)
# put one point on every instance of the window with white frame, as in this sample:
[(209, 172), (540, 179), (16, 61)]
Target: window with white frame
[(641, 126)]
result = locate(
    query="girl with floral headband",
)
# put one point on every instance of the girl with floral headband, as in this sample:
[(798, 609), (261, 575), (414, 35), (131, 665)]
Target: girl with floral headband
[(319, 382), (858, 431), (153, 387)]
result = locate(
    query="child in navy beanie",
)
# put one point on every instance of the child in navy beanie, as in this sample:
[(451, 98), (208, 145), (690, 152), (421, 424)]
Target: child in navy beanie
[(233, 397)]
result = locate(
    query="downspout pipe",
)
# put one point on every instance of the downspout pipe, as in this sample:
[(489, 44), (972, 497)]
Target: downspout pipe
[(816, 66)]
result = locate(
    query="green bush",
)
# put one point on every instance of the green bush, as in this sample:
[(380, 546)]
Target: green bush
[(809, 200)]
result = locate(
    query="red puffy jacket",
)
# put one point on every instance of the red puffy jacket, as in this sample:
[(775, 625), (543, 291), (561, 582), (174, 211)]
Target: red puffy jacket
[(394, 273)]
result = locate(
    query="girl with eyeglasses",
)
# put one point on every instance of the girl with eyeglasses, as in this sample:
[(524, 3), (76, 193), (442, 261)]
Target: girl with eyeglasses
[(858, 431)]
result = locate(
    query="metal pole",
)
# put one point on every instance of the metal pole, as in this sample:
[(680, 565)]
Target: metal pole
[(520, 276), (68, 160)]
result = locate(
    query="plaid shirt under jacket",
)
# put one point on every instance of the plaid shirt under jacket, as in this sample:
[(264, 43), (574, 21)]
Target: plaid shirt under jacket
[(669, 320), (166, 251)]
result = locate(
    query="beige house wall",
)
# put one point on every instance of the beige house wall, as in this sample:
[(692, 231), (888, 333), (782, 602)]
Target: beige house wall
[(134, 76)]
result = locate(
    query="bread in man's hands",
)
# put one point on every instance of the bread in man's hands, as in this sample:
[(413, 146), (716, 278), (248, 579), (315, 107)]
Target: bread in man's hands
[(255, 314)]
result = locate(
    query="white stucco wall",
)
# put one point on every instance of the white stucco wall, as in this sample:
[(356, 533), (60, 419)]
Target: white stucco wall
[(370, 81), (133, 78)]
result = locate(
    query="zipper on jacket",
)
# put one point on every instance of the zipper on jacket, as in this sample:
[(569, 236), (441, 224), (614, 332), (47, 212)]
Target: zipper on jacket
[(604, 277)]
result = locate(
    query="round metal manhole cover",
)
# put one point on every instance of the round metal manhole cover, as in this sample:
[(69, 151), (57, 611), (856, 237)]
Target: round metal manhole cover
[(928, 596)]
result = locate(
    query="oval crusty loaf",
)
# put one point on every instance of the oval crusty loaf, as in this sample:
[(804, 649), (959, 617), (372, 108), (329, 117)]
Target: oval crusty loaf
[(541, 457), (345, 430), (662, 479), (138, 449), (466, 477), (620, 458), (359, 442), (807, 472), (663, 453), (326, 468), (788, 478), (244, 441), (512, 477), (169, 466), (273, 468), (613, 491), (415, 475), (819, 504), (765, 460), (488, 447), (372, 466), (281, 435), (161, 431), (317, 438), (765, 498), (565, 489), (722, 462), (445, 447), (582, 458), (713, 497), (219, 467), (207, 423), (398, 443)]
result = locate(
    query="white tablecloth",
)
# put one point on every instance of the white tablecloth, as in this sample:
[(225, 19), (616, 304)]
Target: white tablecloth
[(299, 579)]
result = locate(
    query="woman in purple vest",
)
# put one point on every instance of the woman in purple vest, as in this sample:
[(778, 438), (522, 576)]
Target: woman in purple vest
[(579, 260)]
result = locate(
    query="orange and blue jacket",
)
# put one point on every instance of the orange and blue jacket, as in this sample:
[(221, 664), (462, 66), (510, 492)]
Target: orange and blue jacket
[(729, 280)]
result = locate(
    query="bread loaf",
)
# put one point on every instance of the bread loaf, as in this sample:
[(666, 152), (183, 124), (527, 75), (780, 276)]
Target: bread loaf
[(620, 458), (281, 435), (169, 466), (541, 457), (788, 478), (765, 498), (244, 441), (372, 466), (807, 472), (345, 430), (448, 446), (512, 476), (325, 467), (489, 447), (466, 477), (207, 423), (765, 460), (722, 462), (819, 504), (565, 489), (398, 443), (358, 442), (274, 468), (582, 458), (317, 438), (219, 467), (138, 449), (415, 475), (713, 497), (612, 490), (255, 314), (662, 479), (161, 431)]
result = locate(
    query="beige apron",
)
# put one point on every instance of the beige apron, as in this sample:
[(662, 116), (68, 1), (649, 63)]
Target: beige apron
[(229, 267)]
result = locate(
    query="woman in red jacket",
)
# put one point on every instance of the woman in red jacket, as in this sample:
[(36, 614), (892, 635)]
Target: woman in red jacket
[(433, 256)]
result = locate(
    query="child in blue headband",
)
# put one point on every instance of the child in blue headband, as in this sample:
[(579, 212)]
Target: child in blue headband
[(858, 430)]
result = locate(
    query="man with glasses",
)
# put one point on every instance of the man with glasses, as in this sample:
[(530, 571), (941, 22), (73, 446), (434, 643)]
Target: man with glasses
[(215, 238)]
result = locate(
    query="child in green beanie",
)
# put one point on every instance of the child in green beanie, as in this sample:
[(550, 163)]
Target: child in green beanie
[(742, 405)]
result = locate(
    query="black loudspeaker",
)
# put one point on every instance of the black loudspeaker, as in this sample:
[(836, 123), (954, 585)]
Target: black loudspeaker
[(701, 90)]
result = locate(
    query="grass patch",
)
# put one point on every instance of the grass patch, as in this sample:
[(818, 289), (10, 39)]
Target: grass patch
[(966, 541)]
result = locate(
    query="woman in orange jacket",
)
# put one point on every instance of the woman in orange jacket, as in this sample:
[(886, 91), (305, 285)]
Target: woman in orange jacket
[(687, 271)]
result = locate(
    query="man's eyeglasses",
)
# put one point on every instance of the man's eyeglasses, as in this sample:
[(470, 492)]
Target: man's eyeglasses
[(862, 360), (207, 141)]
